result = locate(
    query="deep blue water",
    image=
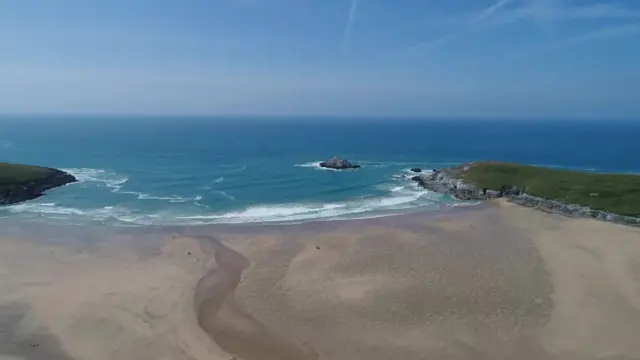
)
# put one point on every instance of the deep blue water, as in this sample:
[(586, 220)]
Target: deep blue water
[(145, 170)]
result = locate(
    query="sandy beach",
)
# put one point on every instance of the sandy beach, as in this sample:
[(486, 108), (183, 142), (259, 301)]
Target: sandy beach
[(496, 281)]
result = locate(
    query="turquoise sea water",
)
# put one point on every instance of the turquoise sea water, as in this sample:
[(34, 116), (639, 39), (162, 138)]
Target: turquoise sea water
[(146, 170)]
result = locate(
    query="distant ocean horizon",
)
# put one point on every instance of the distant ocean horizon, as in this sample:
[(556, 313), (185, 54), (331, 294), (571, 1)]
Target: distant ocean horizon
[(171, 170)]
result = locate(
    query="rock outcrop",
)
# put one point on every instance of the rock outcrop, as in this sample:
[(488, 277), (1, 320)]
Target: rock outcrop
[(446, 181), (416, 170), (338, 164), (12, 193)]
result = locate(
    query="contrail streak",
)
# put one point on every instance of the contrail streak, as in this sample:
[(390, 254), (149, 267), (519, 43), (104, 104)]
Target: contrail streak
[(481, 16), (488, 12), (347, 31)]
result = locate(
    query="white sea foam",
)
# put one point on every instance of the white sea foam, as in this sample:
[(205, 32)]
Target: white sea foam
[(54, 209), (225, 195), (232, 169), (315, 165), (116, 182), (398, 195), (399, 198), (219, 180), (271, 213), (173, 199), (102, 177)]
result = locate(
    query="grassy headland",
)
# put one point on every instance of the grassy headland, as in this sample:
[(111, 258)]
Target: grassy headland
[(615, 193), (11, 174), (24, 182)]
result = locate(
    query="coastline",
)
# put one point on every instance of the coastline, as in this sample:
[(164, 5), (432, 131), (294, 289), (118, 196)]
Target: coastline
[(450, 181), (496, 281)]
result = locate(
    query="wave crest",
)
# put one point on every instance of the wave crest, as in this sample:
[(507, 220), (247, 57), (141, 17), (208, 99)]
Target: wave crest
[(315, 165), (106, 178), (395, 196), (116, 182)]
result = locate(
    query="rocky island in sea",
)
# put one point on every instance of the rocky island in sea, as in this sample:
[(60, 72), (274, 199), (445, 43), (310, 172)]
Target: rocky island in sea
[(609, 197), (338, 164), (20, 183)]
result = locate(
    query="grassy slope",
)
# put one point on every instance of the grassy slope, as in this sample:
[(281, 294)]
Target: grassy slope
[(12, 174), (616, 193)]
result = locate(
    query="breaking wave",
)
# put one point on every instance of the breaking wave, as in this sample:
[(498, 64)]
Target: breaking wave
[(315, 165), (397, 194), (115, 182), (396, 199)]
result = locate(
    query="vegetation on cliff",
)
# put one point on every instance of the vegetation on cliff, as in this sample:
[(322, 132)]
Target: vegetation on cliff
[(11, 174), (615, 193), (23, 182)]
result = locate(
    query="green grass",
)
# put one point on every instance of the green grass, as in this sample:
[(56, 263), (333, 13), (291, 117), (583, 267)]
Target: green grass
[(615, 193), (13, 174)]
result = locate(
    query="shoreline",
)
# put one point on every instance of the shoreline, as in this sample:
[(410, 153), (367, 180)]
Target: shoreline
[(16, 225)]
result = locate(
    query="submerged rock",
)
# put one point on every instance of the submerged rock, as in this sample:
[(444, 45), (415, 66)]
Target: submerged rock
[(338, 164)]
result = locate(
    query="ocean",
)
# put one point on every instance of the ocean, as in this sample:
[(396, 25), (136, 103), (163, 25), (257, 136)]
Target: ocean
[(136, 171)]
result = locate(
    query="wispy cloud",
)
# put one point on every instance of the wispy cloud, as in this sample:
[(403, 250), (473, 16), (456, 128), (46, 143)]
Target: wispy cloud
[(545, 13), (476, 19), (604, 33), (488, 12), (570, 13), (598, 11), (346, 44), (599, 34)]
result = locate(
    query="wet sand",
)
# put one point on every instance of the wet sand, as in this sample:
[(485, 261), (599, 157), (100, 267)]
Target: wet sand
[(489, 282)]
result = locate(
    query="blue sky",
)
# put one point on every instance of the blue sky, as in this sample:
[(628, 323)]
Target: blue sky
[(565, 58)]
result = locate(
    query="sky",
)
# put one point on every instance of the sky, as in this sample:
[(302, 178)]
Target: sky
[(513, 58)]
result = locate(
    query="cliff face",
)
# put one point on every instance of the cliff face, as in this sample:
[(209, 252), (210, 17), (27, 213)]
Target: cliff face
[(446, 181), (23, 190)]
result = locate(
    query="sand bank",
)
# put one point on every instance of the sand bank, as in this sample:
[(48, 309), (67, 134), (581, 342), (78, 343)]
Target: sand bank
[(498, 282)]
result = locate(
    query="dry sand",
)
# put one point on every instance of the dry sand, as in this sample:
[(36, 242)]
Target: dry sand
[(497, 282)]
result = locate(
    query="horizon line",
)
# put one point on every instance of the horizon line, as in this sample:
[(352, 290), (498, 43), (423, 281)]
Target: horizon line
[(266, 116)]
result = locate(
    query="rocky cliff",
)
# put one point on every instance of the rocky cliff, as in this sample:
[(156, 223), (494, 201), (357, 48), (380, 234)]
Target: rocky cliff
[(448, 181)]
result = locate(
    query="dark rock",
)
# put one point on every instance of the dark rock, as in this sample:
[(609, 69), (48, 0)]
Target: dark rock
[(338, 164), (507, 190), (416, 170), (33, 189)]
